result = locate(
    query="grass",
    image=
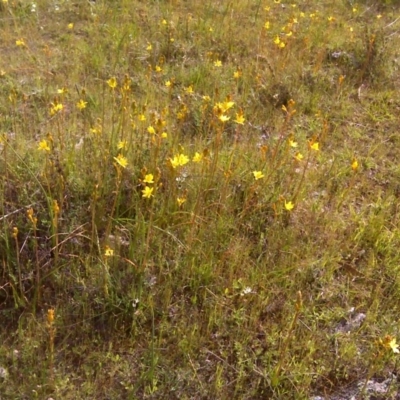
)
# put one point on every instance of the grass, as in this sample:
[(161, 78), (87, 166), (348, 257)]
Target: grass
[(198, 199)]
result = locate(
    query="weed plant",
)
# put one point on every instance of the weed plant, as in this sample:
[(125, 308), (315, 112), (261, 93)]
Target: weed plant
[(199, 200)]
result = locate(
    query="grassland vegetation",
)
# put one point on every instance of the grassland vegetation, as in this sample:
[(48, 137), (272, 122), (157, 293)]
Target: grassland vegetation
[(199, 200)]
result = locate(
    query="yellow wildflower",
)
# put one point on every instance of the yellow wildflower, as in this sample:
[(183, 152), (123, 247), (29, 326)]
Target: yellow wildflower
[(149, 178), (20, 42), (299, 156), (289, 205), (258, 175), (239, 118), (218, 63), (121, 160), (189, 89), (198, 157), (314, 146), (56, 107), (112, 82), (180, 200), (147, 192), (151, 130), (354, 165), (237, 74), (43, 145), (394, 346), (108, 251), (224, 118), (122, 144), (81, 104), (179, 160)]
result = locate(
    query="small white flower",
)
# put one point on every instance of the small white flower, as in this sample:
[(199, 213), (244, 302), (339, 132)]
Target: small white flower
[(246, 290)]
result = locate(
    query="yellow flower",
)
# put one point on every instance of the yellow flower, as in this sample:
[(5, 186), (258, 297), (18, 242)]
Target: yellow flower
[(298, 156), (121, 160), (168, 83), (81, 104), (180, 200), (394, 346), (239, 118), (221, 108), (149, 47), (147, 192), (331, 19), (142, 117), (224, 118), (314, 146), (258, 175), (164, 135), (20, 42), (179, 160), (354, 165), (277, 40), (71, 26), (56, 107), (267, 25), (158, 68), (149, 178), (151, 130), (237, 74), (207, 98), (289, 205), (122, 144), (189, 89), (389, 342), (112, 82), (108, 251), (292, 143), (43, 145), (197, 157), (63, 90), (218, 63)]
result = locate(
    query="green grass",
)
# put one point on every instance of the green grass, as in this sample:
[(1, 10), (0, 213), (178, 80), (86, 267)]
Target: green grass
[(267, 137)]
